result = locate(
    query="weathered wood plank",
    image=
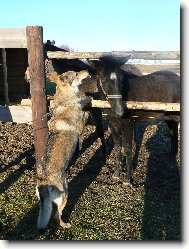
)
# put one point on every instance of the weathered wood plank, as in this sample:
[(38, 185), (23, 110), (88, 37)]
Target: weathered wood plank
[(13, 38), (156, 55), (23, 114), (17, 114), (79, 55), (147, 69), (146, 55), (153, 106), (26, 102)]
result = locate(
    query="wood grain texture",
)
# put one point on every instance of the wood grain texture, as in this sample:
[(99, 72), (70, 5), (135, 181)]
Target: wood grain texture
[(13, 38), (37, 88), (146, 55)]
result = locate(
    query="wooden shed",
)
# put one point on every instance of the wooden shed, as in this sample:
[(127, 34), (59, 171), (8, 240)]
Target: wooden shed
[(16, 62), (13, 64)]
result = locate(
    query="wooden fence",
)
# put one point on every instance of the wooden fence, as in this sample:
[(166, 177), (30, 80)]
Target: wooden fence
[(31, 38)]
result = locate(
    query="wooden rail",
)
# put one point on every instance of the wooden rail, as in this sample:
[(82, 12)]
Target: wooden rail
[(146, 61), (146, 55), (23, 113), (152, 106)]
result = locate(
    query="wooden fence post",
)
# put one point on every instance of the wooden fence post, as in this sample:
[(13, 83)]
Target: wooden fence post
[(37, 88)]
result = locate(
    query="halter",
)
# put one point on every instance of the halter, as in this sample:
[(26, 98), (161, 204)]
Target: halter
[(110, 96)]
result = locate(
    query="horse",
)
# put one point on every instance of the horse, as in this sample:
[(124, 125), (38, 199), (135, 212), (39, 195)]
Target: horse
[(118, 85)]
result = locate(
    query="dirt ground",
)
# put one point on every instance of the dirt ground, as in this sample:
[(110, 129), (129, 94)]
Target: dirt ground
[(98, 207)]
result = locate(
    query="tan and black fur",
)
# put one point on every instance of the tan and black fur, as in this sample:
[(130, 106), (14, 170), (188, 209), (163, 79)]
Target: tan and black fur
[(65, 128)]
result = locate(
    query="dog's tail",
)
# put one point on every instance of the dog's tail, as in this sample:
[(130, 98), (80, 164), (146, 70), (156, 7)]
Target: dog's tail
[(45, 207)]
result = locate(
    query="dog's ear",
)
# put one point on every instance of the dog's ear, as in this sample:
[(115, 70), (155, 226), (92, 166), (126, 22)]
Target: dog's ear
[(57, 79), (53, 77)]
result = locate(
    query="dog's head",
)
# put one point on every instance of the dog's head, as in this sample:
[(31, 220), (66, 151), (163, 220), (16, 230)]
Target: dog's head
[(68, 79)]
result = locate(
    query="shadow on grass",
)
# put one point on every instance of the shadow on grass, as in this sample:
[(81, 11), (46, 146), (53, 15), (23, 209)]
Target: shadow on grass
[(28, 154), (14, 175), (26, 229), (138, 137), (161, 219), (82, 181)]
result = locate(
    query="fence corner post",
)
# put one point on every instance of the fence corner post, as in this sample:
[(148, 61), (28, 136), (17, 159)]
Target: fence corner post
[(37, 88)]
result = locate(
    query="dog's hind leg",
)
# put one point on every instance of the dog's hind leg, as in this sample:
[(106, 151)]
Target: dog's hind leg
[(61, 203), (60, 199), (61, 206)]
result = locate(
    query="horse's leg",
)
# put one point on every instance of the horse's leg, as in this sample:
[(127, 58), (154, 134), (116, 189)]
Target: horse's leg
[(115, 127), (173, 130), (127, 139), (96, 114)]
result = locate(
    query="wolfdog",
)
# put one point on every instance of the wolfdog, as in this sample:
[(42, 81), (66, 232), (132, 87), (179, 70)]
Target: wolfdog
[(65, 128)]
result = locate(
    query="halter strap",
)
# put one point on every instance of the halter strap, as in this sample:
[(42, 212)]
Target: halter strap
[(114, 96), (109, 96)]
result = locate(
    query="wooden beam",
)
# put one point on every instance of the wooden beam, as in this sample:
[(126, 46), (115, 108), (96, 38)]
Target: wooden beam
[(152, 106), (37, 88), (79, 55), (146, 55), (4, 63), (13, 38), (26, 102), (147, 69), (17, 114), (155, 55), (23, 114)]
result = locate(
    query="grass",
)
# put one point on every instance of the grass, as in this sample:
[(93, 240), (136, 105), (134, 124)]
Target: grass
[(98, 207)]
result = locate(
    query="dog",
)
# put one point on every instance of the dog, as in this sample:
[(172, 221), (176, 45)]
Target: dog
[(65, 127)]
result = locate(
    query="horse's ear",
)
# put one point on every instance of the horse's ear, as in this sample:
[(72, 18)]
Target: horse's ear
[(118, 60), (96, 64)]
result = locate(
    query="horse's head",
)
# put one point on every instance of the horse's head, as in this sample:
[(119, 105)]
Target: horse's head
[(111, 76)]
